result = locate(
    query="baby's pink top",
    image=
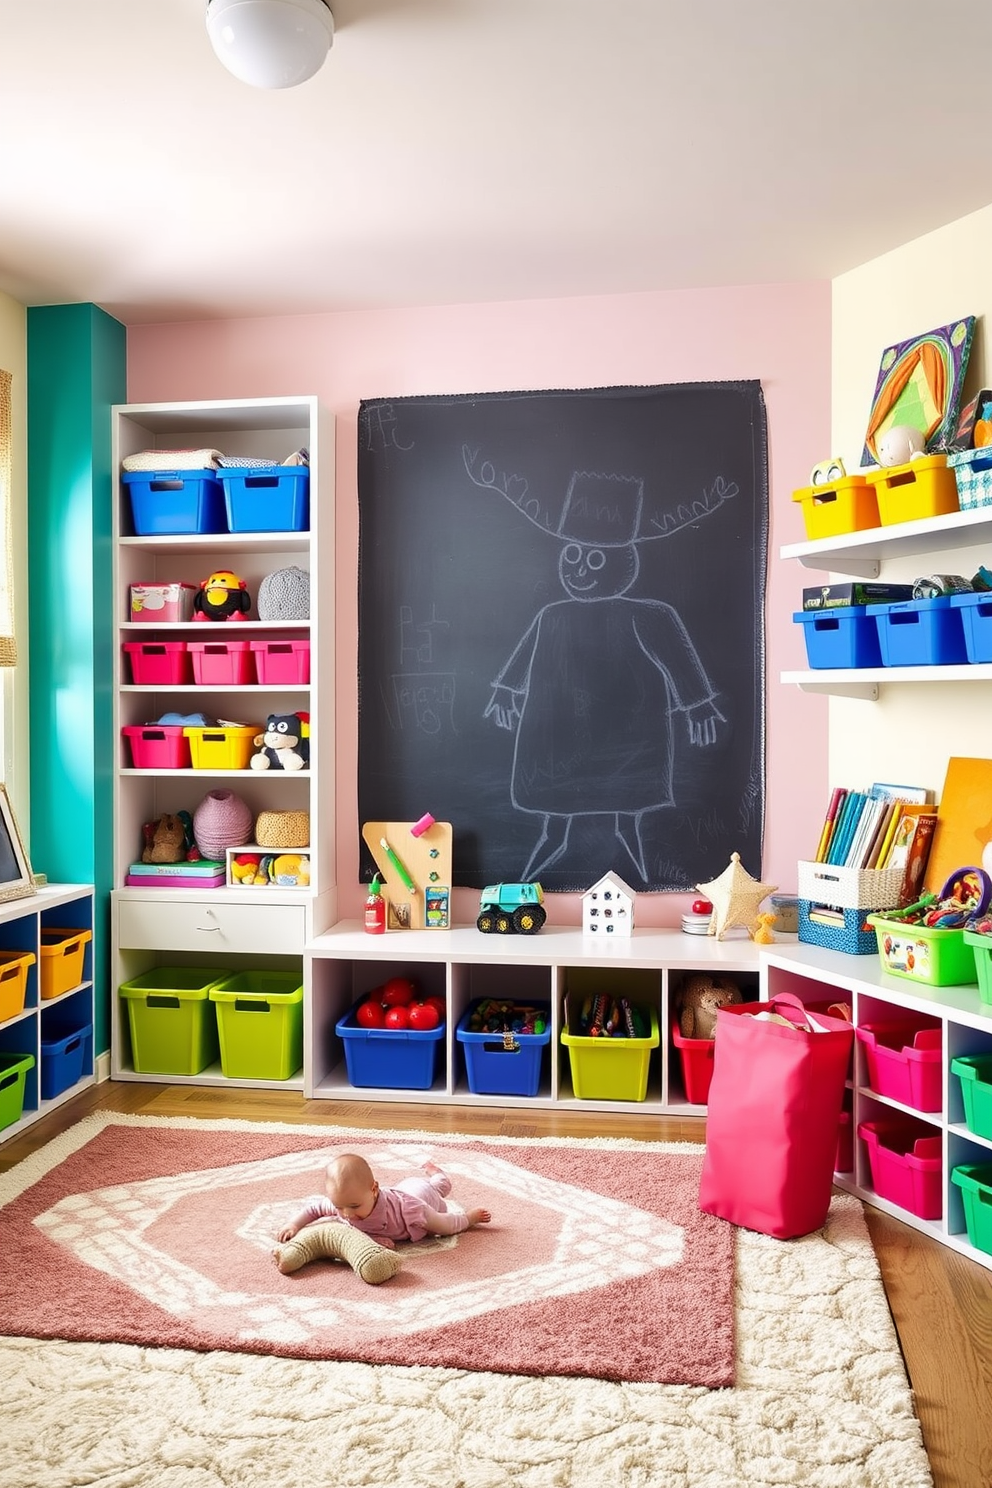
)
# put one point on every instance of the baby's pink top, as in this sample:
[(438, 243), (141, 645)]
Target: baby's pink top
[(399, 1212)]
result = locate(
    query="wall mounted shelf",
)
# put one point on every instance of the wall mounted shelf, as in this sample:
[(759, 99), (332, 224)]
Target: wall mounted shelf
[(861, 554)]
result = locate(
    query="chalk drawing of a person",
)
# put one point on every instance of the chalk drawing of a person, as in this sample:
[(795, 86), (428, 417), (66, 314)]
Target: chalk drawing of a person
[(582, 747)]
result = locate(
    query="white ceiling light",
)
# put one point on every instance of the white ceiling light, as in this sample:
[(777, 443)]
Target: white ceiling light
[(271, 43)]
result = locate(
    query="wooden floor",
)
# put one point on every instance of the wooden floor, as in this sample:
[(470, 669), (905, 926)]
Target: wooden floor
[(941, 1302)]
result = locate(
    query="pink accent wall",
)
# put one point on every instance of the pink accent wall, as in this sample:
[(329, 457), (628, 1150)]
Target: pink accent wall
[(779, 334)]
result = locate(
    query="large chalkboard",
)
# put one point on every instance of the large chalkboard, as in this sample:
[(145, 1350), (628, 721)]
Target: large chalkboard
[(561, 629)]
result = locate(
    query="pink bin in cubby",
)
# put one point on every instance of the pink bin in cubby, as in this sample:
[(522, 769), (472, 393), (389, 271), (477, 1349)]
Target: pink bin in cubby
[(158, 746), (221, 663), (285, 663), (158, 662), (904, 1063), (906, 1166)]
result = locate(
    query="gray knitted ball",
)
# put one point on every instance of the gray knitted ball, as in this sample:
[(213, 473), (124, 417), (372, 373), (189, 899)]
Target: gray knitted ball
[(284, 595)]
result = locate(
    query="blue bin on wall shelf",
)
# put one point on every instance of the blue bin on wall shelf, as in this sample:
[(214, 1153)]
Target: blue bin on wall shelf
[(843, 637), (921, 632)]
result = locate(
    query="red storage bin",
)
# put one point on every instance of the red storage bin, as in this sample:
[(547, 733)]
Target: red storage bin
[(906, 1165), (282, 662), (221, 663), (158, 746), (904, 1062), (158, 662), (696, 1055)]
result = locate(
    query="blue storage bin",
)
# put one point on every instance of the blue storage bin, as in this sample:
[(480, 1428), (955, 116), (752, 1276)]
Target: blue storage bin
[(843, 637), (503, 1066), (165, 502), (976, 621), (267, 498), (65, 1057), (855, 937), (389, 1058), (921, 632)]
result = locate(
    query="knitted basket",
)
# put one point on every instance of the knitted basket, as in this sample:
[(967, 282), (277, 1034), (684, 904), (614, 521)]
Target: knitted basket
[(284, 595), (221, 820), (283, 829)]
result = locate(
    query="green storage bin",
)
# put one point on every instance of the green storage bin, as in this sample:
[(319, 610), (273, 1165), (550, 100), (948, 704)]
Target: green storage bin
[(13, 1074), (940, 958), (260, 1023), (975, 1182), (172, 1020), (981, 949), (614, 1069), (975, 1073)]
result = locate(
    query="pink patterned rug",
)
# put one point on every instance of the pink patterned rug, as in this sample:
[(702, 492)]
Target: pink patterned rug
[(157, 1231)]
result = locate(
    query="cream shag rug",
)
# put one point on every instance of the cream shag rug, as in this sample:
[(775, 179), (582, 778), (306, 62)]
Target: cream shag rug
[(821, 1401)]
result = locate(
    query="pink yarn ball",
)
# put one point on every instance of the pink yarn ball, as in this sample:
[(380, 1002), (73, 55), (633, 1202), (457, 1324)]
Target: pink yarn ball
[(222, 820)]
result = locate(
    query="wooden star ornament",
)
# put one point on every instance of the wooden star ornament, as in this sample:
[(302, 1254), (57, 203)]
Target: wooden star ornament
[(735, 897)]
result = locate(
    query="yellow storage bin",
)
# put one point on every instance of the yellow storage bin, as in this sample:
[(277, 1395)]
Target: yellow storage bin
[(910, 493), (228, 748), (613, 1069), (14, 982), (62, 955), (848, 505)]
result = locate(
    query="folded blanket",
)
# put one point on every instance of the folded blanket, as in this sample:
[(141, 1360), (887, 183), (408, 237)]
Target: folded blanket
[(178, 459)]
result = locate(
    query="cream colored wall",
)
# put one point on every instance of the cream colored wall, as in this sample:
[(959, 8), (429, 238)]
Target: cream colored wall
[(13, 358), (909, 734)]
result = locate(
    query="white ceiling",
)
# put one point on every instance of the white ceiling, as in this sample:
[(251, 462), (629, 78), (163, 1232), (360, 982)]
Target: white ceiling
[(466, 150)]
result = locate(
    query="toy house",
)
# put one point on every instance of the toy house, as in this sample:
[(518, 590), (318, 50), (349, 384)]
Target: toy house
[(608, 907)]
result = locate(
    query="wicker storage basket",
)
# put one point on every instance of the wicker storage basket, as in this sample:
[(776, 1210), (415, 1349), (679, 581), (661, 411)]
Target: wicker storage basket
[(283, 829)]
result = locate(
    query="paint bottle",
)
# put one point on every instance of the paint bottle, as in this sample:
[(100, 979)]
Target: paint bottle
[(375, 909)]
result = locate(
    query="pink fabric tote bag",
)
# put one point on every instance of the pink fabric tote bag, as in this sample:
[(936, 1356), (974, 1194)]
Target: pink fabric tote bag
[(774, 1112)]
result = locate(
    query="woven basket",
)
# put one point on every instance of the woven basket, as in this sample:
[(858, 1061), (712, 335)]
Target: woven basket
[(283, 829)]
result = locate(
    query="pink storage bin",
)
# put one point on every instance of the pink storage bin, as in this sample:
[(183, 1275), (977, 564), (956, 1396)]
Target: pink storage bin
[(285, 662), (161, 604), (904, 1063), (221, 663), (155, 662), (158, 746), (906, 1168)]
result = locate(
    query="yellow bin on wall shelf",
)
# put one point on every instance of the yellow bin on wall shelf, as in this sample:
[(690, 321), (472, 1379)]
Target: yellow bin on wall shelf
[(847, 505), (912, 492)]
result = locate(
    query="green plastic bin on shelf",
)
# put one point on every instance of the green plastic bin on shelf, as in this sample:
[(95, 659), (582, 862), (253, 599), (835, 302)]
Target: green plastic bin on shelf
[(13, 1076), (260, 1023), (172, 1020)]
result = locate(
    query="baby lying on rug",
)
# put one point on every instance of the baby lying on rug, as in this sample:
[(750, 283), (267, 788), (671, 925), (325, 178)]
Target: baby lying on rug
[(354, 1201)]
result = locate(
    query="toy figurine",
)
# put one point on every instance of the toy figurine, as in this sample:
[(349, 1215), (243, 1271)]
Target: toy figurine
[(221, 597)]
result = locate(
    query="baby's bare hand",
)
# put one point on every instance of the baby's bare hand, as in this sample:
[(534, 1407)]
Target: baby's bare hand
[(477, 1217), (287, 1234)]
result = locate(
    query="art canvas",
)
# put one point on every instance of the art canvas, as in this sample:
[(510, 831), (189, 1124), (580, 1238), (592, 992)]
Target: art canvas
[(963, 838), (919, 384)]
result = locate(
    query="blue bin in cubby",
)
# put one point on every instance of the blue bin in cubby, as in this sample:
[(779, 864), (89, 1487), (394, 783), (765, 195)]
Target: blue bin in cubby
[(498, 1064), (267, 498), (65, 1057), (921, 632), (389, 1058), (841, 637), (170, 502), (976, 621)]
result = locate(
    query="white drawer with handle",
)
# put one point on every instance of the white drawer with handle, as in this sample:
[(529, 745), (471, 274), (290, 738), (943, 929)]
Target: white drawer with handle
[(258, 929)]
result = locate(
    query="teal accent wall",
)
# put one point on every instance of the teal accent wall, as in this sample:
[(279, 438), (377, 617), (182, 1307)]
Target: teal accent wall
[(77, 368)]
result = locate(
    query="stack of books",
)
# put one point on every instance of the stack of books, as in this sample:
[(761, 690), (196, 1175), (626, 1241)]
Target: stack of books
[(885, 826), (205, 873)]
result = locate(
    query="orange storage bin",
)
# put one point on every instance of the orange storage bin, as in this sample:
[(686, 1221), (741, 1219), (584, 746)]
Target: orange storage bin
[(62, 956), (14, 982), (848, 505), (910, 493)]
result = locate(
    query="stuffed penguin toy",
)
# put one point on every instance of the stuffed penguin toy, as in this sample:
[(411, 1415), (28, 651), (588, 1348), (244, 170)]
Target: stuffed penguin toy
[(221, 597)]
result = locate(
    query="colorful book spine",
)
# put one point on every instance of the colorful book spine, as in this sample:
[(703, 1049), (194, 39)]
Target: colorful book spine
[(837, 798)]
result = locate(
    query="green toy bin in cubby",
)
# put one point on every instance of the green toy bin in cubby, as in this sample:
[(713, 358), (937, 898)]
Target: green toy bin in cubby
[(13, 1075), (975, 1183), (172, 1020), (260, 1024), (975, 1074)]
